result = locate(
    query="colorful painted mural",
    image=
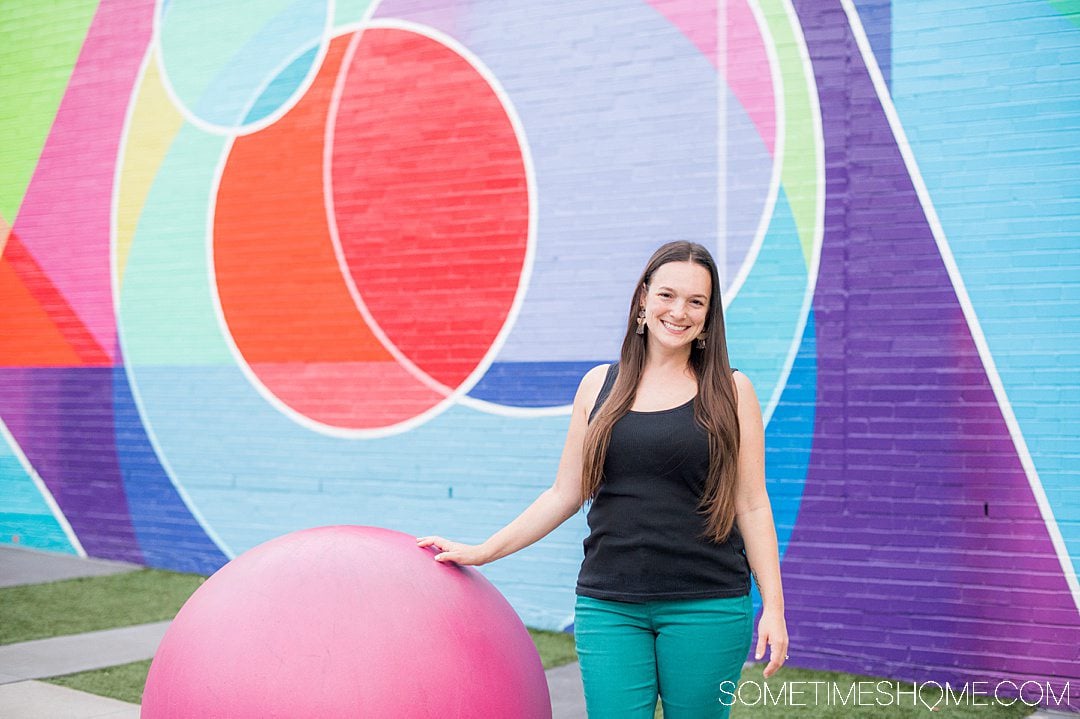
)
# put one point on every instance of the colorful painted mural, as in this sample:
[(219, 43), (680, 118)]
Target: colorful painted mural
[(281, 264)]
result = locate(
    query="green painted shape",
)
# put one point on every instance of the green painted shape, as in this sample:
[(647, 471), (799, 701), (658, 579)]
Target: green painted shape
[(799, 172), (41, 42), (167, 312), (347, 12), (24, 513), (1069, 8)]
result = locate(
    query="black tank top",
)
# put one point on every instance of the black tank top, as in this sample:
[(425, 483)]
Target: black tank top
[(645, 540)]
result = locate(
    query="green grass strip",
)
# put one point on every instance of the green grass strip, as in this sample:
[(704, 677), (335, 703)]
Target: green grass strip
[(556, 648), (124, 682), (74, 606)]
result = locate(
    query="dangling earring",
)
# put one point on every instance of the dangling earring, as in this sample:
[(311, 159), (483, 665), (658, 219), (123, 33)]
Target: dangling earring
[(701, 342), (641, 321)]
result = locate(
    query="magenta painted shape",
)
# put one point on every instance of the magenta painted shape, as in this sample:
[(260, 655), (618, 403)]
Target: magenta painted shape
[(64, 219), (747, 66)]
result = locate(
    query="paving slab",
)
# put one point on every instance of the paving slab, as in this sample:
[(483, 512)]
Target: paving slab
[(41, 700), (19, 565), (567, 693), (57, 656)]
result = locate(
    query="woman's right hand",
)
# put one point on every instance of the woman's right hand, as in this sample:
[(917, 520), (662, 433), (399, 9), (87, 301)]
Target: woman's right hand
[(456, 552)]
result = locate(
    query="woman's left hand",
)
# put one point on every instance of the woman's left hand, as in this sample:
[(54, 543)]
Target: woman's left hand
[(772, 630)]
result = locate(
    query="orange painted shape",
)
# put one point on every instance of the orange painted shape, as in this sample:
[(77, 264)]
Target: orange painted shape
[(282, 291), (38, 328)]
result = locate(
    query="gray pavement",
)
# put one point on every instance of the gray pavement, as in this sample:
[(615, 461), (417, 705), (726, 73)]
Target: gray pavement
[(39, 700), (57, 656), (19, 565)]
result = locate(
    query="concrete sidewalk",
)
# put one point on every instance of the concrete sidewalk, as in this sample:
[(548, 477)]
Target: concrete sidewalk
[(22, 663)]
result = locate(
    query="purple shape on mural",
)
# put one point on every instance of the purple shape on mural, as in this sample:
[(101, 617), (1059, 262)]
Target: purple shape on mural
[(62, 419), (919, 552)]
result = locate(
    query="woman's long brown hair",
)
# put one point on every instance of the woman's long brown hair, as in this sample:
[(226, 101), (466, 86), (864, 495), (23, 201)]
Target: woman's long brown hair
[(715, 407)]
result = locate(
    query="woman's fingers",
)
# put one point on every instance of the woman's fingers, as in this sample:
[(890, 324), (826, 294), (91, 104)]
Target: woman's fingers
[(437, 542), (777, 656), (448, 551)]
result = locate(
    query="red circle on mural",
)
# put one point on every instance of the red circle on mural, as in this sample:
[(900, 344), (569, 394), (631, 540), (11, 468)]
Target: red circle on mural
[(431, 208), (430, 198)]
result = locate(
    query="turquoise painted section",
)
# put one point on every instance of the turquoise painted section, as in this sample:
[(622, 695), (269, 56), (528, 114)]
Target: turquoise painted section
[(219, 60), (763, 319), (282, 87), (26, 520), (994, 123), (171, 239)]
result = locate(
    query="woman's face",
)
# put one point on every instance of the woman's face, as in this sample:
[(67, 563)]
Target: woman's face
[(677, 303)]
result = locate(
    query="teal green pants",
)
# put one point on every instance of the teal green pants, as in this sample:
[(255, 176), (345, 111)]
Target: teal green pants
[(690, 652)]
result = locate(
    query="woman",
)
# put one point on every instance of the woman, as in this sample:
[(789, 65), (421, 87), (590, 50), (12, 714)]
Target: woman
[(668, 445)]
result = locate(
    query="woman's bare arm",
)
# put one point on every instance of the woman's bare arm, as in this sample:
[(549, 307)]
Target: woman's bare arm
[(753, 516), (553, 507)]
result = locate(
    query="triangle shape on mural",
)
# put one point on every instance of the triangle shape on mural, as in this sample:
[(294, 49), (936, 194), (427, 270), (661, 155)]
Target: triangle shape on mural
[(38, 327)]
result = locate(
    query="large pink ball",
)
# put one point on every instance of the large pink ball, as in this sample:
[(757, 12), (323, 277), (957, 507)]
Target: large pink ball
[(345, 622)]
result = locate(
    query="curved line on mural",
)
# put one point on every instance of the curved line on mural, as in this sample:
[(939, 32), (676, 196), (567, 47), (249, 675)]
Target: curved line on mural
[(769, 207), (458, 394), (273, 74), (720, 246), (43, 489), (213, 129), (1004, 404), (238, 358), (335, 237), (241, 362), (810, 83), (114, 271)]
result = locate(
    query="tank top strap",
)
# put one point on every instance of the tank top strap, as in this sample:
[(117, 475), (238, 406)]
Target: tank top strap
[(605, 389)]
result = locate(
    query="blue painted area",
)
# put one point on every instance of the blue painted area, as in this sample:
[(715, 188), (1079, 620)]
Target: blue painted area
[(789, 438), (876, 18), (546, 383), (26, 520), (989, 96), (255, 474), (282, 87), (167, 533)]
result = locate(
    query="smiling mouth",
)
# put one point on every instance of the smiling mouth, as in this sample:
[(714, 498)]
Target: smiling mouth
[(677, 329)]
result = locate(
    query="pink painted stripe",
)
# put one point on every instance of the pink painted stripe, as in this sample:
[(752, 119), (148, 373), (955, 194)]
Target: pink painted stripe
[(747, 66), (353, 395), (64, 218)]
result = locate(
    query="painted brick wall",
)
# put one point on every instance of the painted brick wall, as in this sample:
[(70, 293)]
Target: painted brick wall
[(346, 263)]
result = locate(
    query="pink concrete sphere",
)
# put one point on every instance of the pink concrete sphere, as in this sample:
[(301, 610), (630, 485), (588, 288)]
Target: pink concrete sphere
[(345, 621)]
